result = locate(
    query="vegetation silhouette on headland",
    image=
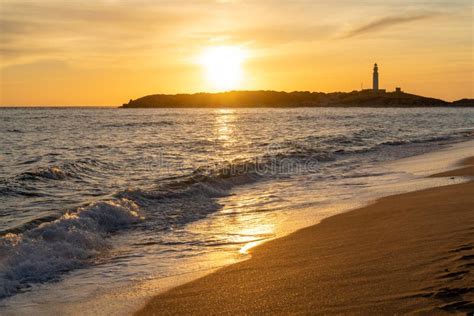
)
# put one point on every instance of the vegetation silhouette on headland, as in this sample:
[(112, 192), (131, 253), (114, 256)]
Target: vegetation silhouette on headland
[(279, 99)]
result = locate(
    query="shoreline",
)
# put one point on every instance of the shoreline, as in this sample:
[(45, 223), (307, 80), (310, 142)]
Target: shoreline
[(322, 267)]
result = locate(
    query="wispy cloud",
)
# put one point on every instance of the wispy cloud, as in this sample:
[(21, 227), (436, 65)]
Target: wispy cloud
[(90, 32), (270, 35), (384, 23)]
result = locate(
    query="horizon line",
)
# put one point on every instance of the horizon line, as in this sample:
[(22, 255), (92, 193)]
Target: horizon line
[(193, 93)]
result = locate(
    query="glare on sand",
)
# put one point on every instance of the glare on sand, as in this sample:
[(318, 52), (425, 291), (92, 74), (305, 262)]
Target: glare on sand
[(223, 66)]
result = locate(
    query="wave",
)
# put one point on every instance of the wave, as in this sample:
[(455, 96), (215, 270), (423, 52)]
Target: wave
[(75, 170), (69, 242), (52, 173), (15, 130), (395, 142), (216, 180), (43, 249), (181, 202), (15, 189), (316, 148)]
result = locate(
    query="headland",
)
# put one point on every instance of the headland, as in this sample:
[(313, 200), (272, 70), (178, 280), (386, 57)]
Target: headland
[(280, 99)]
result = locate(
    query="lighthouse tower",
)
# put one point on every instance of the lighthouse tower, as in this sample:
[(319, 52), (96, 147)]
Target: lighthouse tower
[(376, 78)]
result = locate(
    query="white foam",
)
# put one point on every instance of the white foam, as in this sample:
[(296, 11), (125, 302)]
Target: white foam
[(61, 245)]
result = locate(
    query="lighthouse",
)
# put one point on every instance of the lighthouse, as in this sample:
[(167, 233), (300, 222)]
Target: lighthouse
[(376, 78)]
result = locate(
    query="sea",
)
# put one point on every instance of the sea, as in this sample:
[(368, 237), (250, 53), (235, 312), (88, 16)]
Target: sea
[(105, 207)]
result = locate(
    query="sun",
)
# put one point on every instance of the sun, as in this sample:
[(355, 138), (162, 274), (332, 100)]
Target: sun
[(223, 66)]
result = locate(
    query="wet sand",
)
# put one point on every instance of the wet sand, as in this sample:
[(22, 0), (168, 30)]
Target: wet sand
[(411, 252)]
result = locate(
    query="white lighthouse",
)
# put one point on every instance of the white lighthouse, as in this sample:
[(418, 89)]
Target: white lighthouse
[(376, 78)]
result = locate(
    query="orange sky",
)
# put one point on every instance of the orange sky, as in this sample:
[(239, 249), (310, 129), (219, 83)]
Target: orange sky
[(105, 52)]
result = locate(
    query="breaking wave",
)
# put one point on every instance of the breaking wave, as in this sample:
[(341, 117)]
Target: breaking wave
[(70, 242), (76, 169)]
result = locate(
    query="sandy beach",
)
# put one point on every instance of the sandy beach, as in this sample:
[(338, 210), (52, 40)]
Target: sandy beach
[(405, 253)]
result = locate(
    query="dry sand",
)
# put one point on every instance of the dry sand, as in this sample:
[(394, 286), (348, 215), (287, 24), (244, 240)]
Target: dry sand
[(412, 252)]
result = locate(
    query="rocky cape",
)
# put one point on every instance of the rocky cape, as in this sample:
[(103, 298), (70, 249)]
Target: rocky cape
[(250, 99)]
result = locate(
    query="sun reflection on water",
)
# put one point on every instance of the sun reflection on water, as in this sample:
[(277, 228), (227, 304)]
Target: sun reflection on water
[(245, 249), (224, 122), (242, 224)]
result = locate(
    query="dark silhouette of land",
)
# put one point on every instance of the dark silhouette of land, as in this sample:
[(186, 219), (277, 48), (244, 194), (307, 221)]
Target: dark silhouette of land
[(250, 99)]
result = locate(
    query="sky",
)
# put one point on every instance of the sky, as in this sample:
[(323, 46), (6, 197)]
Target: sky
[(105, 52)]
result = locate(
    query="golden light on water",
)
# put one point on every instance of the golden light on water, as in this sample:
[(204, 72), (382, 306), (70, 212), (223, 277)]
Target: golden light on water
[(223, 66), (224, 121), (245, 249), (261, 230)]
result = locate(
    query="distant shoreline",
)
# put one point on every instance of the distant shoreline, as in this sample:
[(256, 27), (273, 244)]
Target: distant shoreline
[(278, 99)]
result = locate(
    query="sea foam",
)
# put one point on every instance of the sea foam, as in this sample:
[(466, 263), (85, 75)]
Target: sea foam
[(67, 243)]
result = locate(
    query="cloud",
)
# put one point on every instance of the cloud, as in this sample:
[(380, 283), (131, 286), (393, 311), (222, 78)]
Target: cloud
[(129, 32), (89, 31), (269, 35), (384, 23)]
